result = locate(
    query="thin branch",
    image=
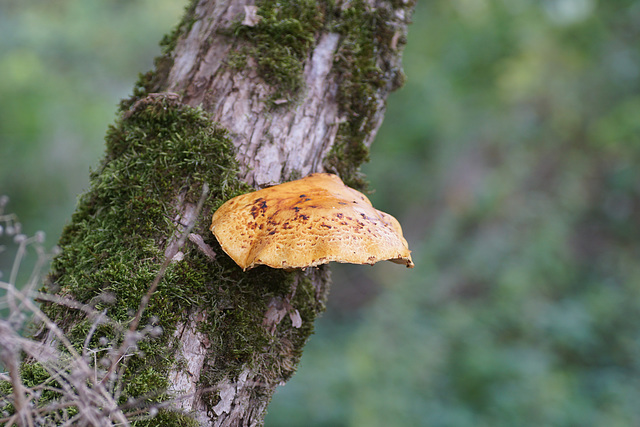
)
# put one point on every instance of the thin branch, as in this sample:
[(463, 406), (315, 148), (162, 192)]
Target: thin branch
[(9, 357), (11, 290), (22, 241)]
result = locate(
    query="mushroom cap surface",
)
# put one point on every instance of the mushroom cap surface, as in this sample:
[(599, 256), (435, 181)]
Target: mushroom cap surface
[(305, 223)]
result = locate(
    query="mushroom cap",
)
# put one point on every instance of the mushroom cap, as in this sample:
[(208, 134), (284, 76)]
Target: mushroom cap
[(305, 223)]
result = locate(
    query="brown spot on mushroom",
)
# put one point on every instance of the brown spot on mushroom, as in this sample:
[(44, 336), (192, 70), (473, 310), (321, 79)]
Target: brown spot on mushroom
[(274, 226)]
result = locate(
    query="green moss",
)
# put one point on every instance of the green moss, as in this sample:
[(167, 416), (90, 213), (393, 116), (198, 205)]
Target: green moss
[(365, 33), (35, 375), (272, 355), (162, 150), (279, 43), (5, 390), (146, 382), (166, 418)]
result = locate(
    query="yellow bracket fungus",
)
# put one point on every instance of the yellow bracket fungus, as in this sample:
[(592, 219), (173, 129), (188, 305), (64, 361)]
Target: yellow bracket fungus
[(305, 223)]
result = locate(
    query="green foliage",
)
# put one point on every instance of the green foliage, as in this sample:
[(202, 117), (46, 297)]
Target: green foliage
[(512, 153)]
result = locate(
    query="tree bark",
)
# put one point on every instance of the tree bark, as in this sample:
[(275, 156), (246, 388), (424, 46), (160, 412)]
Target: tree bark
[(296, 88)]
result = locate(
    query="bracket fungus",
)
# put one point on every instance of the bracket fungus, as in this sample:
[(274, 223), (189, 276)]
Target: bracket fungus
[(305, 223)]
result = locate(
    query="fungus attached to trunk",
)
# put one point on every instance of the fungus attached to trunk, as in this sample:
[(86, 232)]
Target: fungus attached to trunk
[(305, 223)]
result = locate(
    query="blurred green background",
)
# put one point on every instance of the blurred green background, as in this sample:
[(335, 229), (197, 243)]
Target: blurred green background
[(511, 157)]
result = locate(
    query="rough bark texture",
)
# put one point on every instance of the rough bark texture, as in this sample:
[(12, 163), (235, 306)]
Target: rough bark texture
[(294, 137), (228, 342)]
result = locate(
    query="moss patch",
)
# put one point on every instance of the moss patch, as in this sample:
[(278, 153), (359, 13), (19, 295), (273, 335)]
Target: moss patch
[(279, 43), (365, 34), (166, 418), (282, 41), (159, 152)]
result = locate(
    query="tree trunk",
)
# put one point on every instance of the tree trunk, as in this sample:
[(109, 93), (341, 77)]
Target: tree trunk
[(243, 94)]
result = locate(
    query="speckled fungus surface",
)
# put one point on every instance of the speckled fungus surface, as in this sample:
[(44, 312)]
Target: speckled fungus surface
[(305, 223)]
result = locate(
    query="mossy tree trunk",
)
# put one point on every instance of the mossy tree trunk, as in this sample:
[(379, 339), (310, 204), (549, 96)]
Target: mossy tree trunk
[(244, 95)]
